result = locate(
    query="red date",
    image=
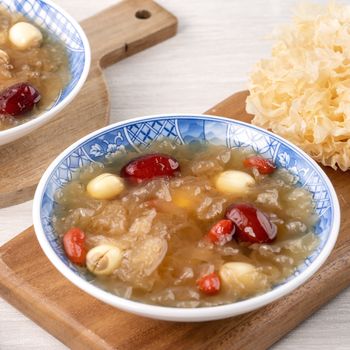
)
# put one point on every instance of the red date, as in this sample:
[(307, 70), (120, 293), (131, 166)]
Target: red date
[(149, 167), (252, 225), (263, 165), (18, 99)]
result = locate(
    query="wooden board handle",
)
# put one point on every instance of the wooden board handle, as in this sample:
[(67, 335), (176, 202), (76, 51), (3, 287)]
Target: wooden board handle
[(127, 28)]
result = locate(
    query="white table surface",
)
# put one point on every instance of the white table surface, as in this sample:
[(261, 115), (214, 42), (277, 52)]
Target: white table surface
[(210, 58)]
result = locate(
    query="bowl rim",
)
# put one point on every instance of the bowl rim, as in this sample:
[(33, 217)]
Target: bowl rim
[(47, 115), (173, 313)]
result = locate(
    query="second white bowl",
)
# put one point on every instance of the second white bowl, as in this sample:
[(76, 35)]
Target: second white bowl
[(61, 25)]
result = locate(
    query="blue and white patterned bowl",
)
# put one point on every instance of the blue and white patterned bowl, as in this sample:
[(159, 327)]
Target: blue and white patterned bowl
[(138, 134), (61, 25)]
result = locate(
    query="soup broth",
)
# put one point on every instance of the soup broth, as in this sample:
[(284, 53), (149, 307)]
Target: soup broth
[(164, 227), (43, 65)]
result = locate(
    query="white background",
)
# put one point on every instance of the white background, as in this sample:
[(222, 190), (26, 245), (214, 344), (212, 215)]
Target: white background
[(210, 58)]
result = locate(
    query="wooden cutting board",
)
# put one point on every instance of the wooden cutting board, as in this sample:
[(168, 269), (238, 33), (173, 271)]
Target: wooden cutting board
[(30, 283), (115, 33)]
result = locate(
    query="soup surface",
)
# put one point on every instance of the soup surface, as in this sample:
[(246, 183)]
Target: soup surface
[(186, 226), (33, 69)]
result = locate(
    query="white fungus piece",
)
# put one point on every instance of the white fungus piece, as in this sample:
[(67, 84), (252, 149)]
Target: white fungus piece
[(302, 91), (4, 57), (238, 273)]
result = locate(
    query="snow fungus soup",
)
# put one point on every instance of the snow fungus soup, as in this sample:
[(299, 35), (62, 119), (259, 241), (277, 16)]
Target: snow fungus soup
[(187, 225)]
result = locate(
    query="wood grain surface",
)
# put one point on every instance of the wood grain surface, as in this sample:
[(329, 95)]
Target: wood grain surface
[(113, 34), (30, 283)]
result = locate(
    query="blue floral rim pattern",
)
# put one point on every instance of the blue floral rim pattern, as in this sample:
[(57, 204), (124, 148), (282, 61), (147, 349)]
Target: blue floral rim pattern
[(138, 135)]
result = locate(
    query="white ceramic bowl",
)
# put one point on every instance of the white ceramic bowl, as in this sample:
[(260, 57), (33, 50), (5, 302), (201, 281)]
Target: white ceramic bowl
[(138, 134), (61, 25)]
